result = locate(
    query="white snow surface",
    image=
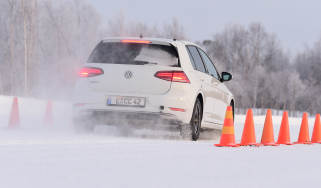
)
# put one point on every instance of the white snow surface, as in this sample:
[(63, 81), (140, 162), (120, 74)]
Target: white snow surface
[(41, 156)]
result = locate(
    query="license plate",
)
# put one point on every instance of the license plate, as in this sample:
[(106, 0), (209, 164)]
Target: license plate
[(126, 101)]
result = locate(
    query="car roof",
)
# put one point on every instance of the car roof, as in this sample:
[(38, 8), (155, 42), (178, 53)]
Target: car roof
[(153, 40)]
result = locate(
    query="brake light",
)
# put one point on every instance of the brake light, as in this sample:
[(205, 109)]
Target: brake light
[(90, 72), (173, 76), (136, 41)]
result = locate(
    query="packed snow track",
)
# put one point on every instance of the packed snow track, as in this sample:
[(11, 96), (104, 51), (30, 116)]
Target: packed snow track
[(35, 156)]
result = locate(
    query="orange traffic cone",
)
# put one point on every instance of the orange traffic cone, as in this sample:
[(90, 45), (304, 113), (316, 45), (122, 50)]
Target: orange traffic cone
[(304, 137), (14, 120), (48, 120), (284, 133), (227, 137), (248, 136), (268, 133), (316, 135)]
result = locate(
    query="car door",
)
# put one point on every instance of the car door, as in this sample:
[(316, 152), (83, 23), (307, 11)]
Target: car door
[(205, 79), (218, 94)]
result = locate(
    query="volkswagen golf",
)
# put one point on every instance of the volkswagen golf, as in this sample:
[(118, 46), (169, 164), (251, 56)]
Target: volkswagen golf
[(153, 83)]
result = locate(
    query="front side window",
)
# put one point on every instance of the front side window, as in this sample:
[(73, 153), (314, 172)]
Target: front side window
[(196, 59), (209, 65)]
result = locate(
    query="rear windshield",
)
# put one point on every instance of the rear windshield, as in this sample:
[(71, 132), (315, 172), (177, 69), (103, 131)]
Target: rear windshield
[(135, 54)]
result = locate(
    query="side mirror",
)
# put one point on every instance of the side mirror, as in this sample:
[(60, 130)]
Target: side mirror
[(226, 77)]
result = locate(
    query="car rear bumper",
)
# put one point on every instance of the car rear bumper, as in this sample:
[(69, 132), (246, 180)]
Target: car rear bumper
[(178, 102), (137, 119)]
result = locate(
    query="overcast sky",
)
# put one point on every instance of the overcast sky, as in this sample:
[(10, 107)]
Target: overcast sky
[(297, 23)]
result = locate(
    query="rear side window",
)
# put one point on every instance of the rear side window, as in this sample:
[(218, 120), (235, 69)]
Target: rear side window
[(210, 67), (134, 54), (196, 58)]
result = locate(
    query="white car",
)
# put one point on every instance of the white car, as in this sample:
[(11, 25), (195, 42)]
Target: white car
[(160, 81)]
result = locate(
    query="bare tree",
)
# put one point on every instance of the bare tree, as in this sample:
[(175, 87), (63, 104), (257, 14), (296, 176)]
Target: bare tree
[(308, 65), (174, 30), (252, 55), (46, 41)]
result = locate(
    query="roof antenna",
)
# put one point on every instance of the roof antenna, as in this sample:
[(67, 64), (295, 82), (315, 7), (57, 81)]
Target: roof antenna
[(141, 36)]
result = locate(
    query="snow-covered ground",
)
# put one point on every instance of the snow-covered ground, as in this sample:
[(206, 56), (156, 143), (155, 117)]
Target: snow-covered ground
[(36, 155)]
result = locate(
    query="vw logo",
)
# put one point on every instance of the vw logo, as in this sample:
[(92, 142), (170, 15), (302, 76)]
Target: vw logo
[(128, 74)]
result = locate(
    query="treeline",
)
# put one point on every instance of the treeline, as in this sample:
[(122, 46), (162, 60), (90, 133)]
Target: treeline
[(43, 43), (265, 76)]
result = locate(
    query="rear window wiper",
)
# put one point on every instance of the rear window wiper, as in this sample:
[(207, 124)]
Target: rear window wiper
[(144, 63)]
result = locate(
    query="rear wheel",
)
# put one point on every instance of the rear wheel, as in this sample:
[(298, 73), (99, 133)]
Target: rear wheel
[(196, 120), (232, 104), (192, 130)]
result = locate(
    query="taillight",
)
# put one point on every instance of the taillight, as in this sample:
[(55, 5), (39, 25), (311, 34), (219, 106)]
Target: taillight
[(90, 71), (173, 76)]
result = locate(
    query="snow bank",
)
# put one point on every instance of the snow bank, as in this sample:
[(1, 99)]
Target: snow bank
[(32, 112), (294, 124)]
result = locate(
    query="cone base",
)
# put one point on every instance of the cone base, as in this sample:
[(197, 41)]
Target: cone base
[(226, 145), (316, 142), (286, 143), (303, 142), (250, 144), (270, 144)]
